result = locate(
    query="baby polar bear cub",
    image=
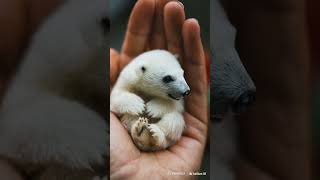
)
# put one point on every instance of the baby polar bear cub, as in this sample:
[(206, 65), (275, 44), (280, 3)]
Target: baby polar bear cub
[(148, 98)]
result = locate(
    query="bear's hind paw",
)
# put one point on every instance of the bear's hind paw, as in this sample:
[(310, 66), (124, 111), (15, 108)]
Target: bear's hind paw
[(139, 126), (158, 135)]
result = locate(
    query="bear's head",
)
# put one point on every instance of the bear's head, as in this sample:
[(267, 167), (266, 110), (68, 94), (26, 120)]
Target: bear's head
[(232, 89), (158, 73), (84, 23)]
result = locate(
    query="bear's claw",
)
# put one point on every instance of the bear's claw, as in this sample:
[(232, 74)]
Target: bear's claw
[(140, 125)]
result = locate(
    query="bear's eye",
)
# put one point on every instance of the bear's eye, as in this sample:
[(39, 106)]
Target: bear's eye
[(143, 69), (105, 23), (167, 79)]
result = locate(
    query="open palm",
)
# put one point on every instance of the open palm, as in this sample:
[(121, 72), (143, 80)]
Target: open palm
[(161, 24)]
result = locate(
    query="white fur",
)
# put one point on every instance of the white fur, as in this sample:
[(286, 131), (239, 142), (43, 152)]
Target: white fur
[(43, 119), (137, 92)]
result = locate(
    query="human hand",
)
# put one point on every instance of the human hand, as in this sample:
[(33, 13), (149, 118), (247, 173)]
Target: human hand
[(161, 24)]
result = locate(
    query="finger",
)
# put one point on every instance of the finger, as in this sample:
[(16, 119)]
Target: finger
[(120, 153), (158, 39), (195, 70), (174, 18), (192, 144), (139, 30), (195, 129), (114, 66)]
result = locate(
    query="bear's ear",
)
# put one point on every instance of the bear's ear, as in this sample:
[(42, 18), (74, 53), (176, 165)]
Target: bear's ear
[(176, 56)]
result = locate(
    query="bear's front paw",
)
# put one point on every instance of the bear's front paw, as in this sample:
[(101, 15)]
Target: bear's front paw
[(132, 105), (157, 108), (158, 135)]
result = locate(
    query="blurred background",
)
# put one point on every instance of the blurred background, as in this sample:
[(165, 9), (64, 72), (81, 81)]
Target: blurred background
[(313, 16), (119, 14), (280, 66)]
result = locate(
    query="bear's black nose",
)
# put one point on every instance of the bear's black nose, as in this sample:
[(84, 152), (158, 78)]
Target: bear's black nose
[(186, 93), (245, 100)]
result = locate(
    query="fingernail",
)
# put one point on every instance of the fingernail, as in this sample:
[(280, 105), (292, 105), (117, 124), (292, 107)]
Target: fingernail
[(181, 4), (196, 20)]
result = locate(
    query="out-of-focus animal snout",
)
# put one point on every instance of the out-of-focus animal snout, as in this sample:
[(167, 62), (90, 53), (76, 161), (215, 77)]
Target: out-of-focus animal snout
[(233, 90), (232, 87), (245, 100)]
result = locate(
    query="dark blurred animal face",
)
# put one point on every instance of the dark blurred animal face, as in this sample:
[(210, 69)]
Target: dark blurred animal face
[(232, 87), (233, 90)]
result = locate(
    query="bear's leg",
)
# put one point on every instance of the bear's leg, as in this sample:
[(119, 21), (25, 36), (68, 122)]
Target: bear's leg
[(147, 137), (168, 130), (124, 102), (140, 134), (128, 120), (151, 137), (157, 108)]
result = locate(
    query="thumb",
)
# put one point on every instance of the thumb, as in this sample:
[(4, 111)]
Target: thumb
[(122, 149), (114, 65)]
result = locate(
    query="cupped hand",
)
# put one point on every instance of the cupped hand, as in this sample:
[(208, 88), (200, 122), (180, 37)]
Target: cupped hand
[(161, 24)]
